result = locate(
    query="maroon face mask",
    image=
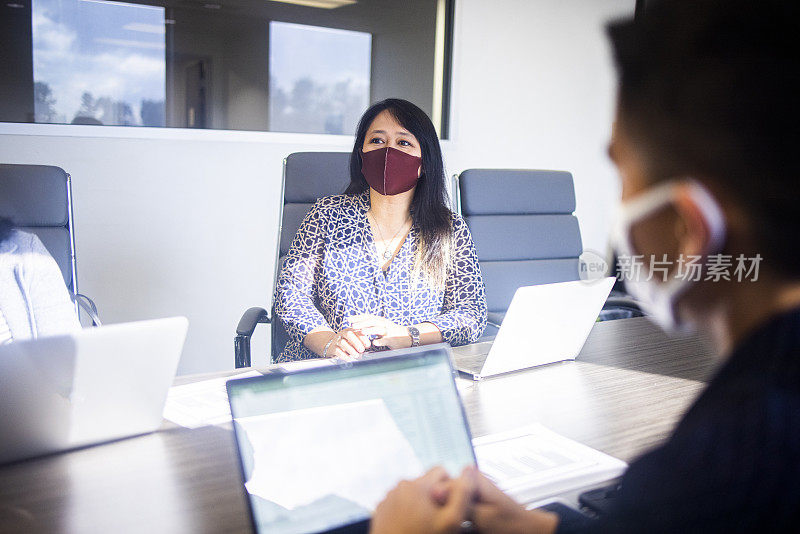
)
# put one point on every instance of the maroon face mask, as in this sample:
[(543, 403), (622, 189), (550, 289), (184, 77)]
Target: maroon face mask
[(390, 171)]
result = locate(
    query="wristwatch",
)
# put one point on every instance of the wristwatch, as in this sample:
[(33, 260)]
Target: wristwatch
[(413, 331)]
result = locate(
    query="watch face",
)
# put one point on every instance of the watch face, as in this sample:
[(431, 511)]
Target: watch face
[(414, 333)]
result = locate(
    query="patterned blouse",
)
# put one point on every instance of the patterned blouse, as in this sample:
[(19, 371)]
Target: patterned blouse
[(333, 271)]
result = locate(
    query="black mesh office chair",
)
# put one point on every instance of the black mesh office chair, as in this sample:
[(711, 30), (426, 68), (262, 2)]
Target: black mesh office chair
[(524, 230), (38, 199), (307, 176)]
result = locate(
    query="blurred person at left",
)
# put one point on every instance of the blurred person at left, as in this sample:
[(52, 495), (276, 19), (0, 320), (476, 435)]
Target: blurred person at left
[(34, 300)]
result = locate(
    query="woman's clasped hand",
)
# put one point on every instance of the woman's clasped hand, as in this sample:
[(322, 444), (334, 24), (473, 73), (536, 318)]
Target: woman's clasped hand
[(367, 333)]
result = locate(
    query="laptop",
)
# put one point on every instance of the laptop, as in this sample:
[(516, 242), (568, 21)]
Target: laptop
[(544, 324), (319, 448), (91, 386)]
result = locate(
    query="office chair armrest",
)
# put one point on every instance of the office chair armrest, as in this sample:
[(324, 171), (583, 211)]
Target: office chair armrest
[(87, 305), (250, 319), (244, 331)]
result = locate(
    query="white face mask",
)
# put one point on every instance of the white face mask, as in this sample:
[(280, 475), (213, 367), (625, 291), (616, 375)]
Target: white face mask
[(659, 299)]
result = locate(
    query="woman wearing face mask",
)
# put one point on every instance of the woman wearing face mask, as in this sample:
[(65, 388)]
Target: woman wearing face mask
[(705, 144), (386, 265)]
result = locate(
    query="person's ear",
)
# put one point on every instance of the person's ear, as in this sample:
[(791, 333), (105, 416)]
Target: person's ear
[(691, 227), (419, 172)]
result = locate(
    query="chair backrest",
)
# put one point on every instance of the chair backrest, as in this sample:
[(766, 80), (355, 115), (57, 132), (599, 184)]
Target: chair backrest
[(38, 199), (307, 176), (524, 229)]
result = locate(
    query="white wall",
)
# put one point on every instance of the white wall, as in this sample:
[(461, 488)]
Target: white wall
[(534, 89), (184, 222)]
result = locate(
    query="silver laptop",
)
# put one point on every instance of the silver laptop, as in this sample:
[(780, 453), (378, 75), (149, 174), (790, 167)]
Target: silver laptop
[(321, 447), (96, 385), (544, 324)]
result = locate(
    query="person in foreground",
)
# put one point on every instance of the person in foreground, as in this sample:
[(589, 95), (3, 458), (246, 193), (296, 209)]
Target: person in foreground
[(705, 143), (33, 298), (386, 264)]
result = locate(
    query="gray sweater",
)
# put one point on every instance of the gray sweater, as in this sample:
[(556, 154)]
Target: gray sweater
[(33, 298)]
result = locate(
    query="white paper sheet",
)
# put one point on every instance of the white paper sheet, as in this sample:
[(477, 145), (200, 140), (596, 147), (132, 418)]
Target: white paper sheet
[(533, 463), (201, 403), (205, 403), (354, 451)]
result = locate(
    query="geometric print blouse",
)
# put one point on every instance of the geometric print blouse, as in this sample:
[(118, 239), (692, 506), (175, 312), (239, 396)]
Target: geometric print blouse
[(332, 271)]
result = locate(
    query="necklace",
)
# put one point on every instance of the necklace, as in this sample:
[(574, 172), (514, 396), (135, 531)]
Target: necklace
[(387, 252)]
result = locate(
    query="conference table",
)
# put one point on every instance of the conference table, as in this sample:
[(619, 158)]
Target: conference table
[(623, 395)]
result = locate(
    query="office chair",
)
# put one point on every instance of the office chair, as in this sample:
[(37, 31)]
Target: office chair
[(524, 230), (307, 176), (39, 198)]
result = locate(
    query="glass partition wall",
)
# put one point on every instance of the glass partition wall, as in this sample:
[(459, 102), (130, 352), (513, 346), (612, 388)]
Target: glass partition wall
[(308, 66)]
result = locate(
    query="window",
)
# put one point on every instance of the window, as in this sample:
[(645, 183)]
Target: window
[(318, 78), (289, 66), (98, 62)]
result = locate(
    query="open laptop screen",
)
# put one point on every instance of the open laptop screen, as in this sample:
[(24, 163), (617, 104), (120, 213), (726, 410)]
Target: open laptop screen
[(321, 447)]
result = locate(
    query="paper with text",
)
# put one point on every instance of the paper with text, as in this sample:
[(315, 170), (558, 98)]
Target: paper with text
[(534, 463)]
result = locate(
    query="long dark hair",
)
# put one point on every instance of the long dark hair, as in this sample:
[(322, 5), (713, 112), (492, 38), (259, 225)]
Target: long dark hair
[(6, 227), (430, 215)]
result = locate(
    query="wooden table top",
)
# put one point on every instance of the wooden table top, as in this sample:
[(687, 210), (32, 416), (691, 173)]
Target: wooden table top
[(622, 396)]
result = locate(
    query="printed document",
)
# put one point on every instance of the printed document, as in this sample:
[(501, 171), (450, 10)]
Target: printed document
[(533, 463)]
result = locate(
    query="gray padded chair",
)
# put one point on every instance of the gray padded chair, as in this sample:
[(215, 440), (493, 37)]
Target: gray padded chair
[(307, 176), (38, 199), (525, 233), (524, 230)]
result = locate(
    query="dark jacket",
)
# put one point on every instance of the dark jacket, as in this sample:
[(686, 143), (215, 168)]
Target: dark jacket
[(733, 462)]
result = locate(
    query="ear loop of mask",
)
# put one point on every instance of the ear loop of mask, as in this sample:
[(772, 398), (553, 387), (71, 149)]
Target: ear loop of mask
[(662, 195), (712, 214)]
